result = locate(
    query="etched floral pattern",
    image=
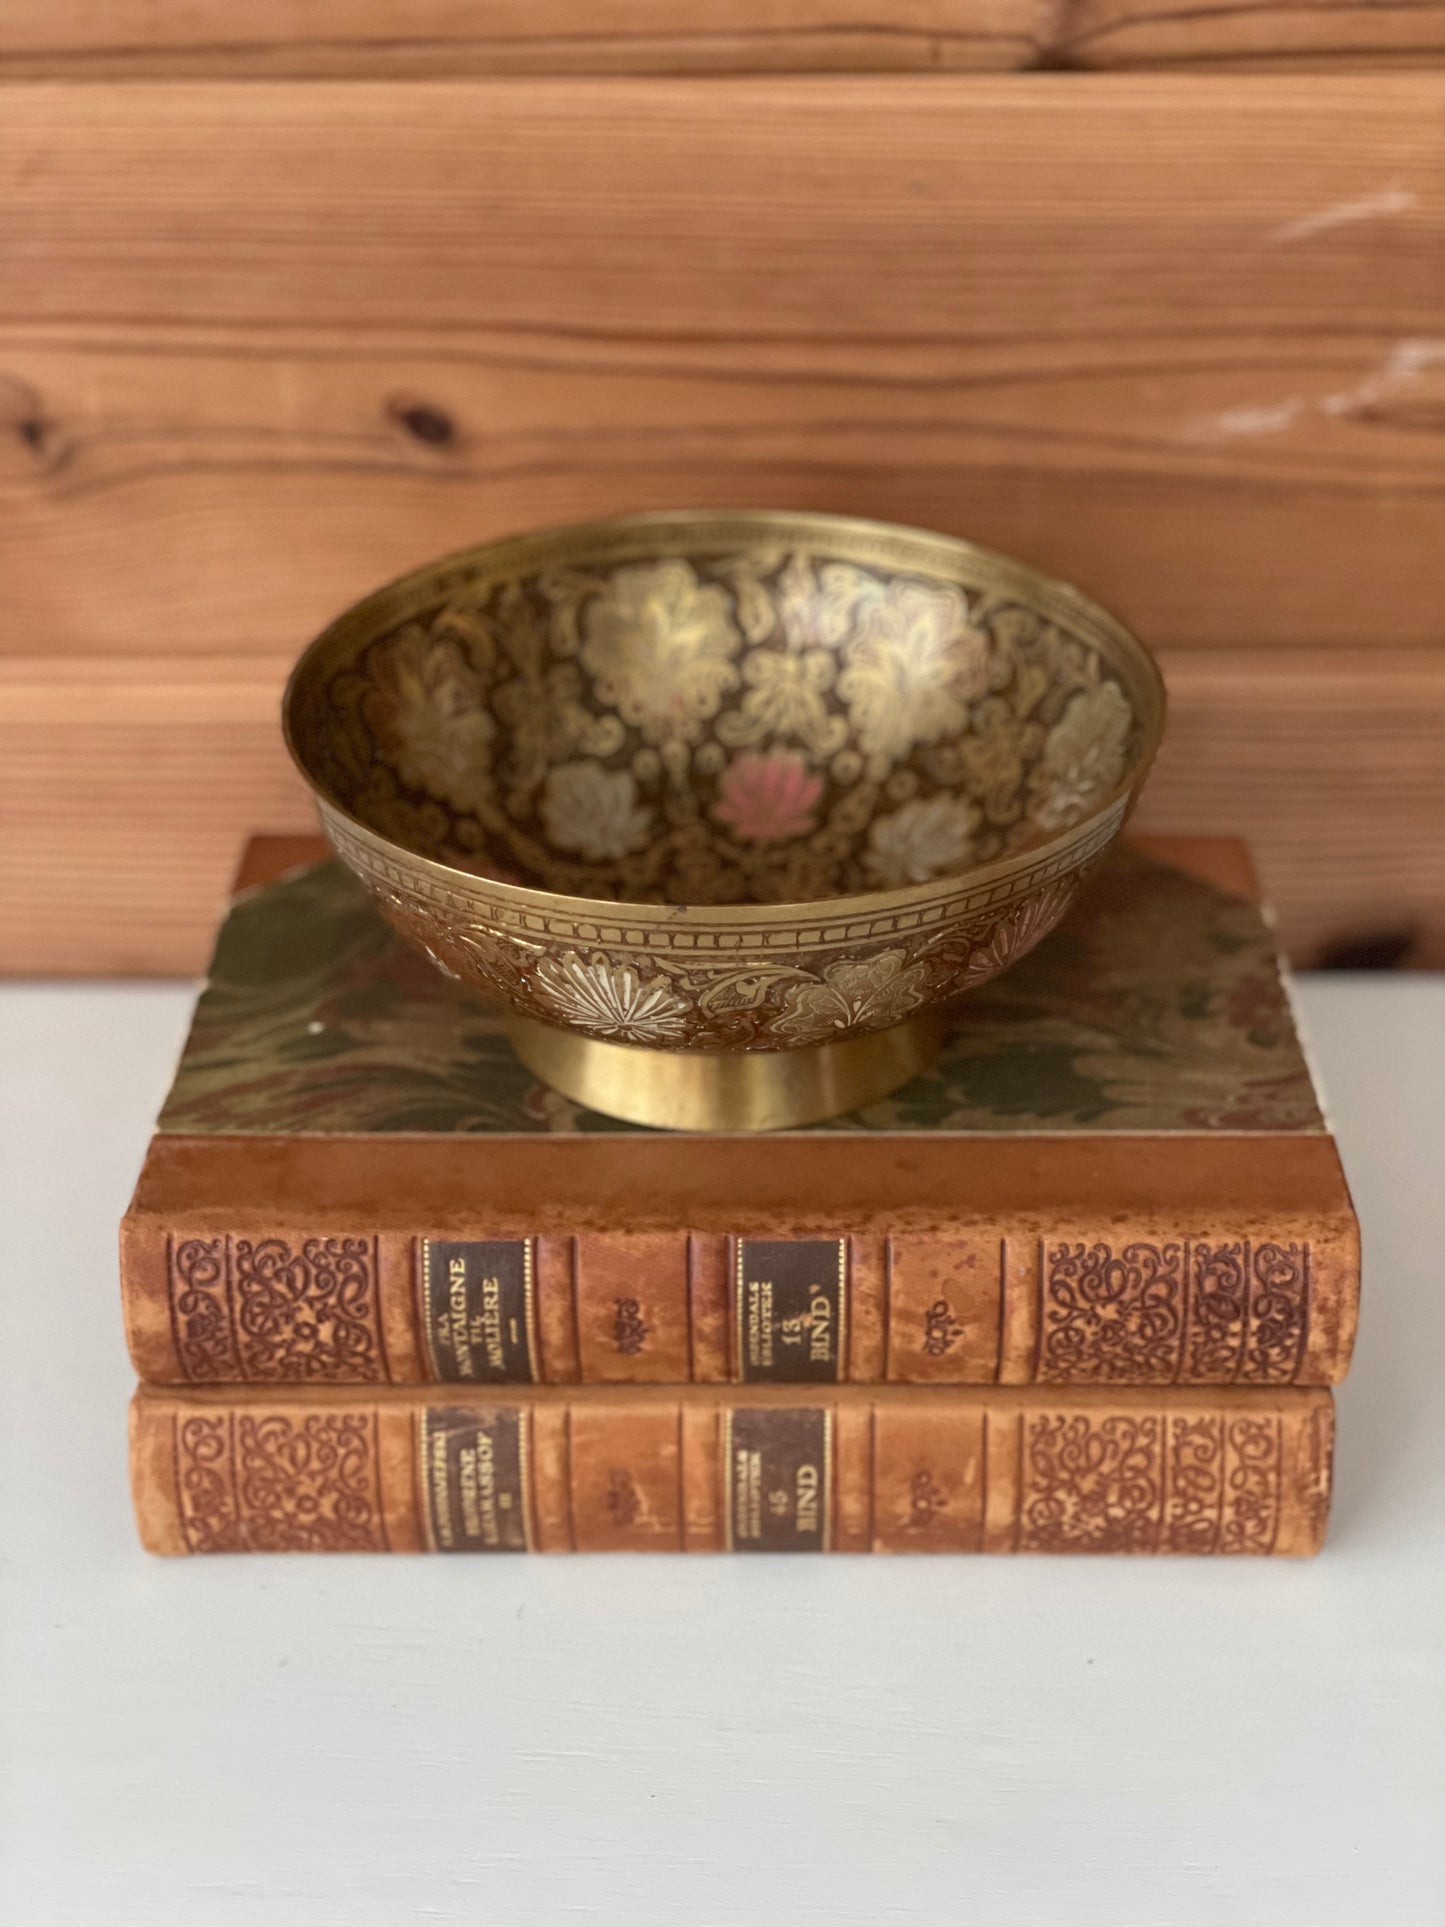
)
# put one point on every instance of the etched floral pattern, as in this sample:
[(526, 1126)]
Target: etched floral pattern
[(816, 602), (849, 997), (1083, 757), (594, 810), (768, 799), (924, 839), (785, 694), (1016, 934), (425, 707), (587, 729), (1088, 1032), (662, 647), (992, 758), (728, 722), (914, 668), (611, 1000)]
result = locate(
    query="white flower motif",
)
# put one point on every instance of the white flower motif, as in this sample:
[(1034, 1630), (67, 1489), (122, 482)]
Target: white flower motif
[(1084, 755), (611, 1000), (660, 645), (914, 667), (594, 810), (924, 839)]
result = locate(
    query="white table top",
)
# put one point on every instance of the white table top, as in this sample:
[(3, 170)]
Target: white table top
[(389, 1740)]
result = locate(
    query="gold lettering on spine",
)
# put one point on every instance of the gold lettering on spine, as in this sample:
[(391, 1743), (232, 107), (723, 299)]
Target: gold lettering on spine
[(486, 1327), (524, 1476), (744, 1494), (437, 1512), (457, 1315), (805, 1507), (790, 1310), (476, 1478), (479, 1313), (777, 1479)]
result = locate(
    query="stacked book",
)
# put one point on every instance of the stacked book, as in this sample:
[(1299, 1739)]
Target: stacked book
[(1082, 1287)]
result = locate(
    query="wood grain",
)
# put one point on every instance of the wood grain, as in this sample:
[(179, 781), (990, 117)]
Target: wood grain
[(411, 38), (174, 490), (1299, 36), (127, 786), (262, 346)]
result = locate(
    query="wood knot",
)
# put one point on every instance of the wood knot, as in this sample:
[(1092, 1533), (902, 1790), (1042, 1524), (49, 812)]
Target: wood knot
[(431, 426), (31, 441)]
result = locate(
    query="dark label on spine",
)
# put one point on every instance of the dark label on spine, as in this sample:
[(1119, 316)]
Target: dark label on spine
[(478, 1312), (474, 1476), (790, 1300), (779, 1480)]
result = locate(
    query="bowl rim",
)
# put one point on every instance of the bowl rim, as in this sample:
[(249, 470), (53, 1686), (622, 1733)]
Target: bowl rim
[(391, 603)]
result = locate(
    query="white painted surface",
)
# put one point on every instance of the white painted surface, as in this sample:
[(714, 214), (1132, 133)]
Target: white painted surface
[(1072, 1743)]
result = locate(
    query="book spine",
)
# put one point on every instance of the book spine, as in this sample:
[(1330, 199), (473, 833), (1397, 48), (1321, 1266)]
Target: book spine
[(1012, 1303), (741, 1469)]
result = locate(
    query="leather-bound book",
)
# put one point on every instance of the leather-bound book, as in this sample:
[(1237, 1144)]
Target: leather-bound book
[(756, 1468), (1117, 1174)]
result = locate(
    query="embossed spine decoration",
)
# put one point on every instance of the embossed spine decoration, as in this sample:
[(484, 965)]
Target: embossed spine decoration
[(745, 1468), (276, 1311), (1194, 1226), (1155, 1483), (291, 1480), (307, 1313), (1182, 1312), (200, 1304), (946, 1305)]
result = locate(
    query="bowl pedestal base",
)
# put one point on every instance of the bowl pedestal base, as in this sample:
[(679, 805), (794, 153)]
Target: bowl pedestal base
[(727, 1091)]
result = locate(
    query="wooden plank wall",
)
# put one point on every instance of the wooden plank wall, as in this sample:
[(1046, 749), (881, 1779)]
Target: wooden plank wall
[(263, 344), (394, 39)]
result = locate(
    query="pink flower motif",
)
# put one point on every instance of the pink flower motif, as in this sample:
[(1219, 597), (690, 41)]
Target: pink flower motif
[(765, 799)]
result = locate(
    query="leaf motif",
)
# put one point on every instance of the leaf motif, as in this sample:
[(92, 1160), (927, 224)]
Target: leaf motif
[(1031, 680), (754, 609), (463, 626), (747, 989), (753, 605)]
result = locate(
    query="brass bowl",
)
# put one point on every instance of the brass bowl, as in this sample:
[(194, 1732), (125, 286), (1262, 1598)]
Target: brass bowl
[(724, 807)]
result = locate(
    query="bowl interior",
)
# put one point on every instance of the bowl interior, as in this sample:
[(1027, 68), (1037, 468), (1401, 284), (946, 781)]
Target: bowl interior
[(722, 710)]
